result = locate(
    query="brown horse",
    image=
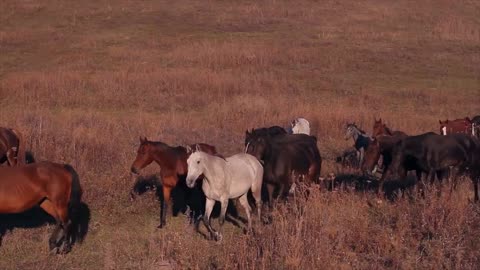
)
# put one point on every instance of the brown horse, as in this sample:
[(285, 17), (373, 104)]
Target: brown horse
[(382, 145), (449, 127), (380, 128), (172, 162), (52, 186), (12, 148)]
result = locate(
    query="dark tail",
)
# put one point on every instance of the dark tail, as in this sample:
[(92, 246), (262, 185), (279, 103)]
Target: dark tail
[(21, 147), (78, 212)]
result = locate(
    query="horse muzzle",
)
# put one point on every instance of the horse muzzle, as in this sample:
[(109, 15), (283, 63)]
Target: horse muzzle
[(190, 182), (134, 171)]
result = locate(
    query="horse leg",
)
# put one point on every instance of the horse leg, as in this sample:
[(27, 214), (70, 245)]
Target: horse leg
[(257, 195), (65, 223), (475, 180), (270, 189), (244, 202), (54, 241), (206, 218), (164, 207), (221, 221)]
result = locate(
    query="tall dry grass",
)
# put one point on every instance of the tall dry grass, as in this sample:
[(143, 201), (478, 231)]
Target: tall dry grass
[(83, 80)]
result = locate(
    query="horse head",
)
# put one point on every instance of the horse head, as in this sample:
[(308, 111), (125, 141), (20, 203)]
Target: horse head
[(144, 156)]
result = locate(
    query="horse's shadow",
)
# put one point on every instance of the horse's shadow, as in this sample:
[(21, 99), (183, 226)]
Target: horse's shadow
[(36, 217), (185, 200)]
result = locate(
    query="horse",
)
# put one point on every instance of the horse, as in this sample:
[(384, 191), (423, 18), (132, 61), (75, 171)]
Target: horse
[(434, 155), (261, 132), (284, 156), (173, 166), (464, 125), (300, 126), (226, 179), (12, 147), (380, 128), (381, 146), (349, 158), (360, 138), (52, 186)]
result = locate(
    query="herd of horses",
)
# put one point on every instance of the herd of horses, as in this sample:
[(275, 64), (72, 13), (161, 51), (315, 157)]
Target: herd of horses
[(274, 161)]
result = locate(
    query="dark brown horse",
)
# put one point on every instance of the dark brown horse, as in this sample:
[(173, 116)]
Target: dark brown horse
[(449, 127), (173, 165), (381, 146), (52, 186), (380, 128), (12, 147)]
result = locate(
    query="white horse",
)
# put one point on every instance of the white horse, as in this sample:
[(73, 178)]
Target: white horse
[(300, 125), (226, 179)]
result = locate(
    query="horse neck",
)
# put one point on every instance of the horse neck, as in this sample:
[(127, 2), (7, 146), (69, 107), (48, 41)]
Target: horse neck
[(159, 153), (387, 131), (212, 171)]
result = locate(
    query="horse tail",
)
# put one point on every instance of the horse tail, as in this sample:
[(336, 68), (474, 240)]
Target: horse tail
[(21, 147), (78, 213)]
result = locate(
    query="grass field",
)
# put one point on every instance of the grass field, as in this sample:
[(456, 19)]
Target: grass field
[(84, 79)]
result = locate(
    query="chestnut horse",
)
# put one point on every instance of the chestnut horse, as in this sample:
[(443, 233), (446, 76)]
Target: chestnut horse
[(12, 148), (380, 128), (464, 125), (173, 165), (52, 186)]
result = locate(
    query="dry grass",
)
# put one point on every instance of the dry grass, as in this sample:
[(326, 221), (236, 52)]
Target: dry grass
[(83, 80)]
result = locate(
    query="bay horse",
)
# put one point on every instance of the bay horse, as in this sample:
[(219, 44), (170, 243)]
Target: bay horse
[(52, 186), (464, 125), (381, 146), (380, 128), (173, 166), (226, 179), (284, 156), (360, 138), (12, 147)]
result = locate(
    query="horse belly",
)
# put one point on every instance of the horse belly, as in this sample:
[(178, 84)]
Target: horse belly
[(239, 188), (16, 204)]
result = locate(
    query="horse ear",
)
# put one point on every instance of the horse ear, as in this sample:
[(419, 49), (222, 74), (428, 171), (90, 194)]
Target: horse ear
[(197, 147), (246, 132), (142, 140), (189, 149), (440, 122)]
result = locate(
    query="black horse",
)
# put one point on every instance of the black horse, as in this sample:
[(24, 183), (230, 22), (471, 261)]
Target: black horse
[(436, 155), (286, 159), (263, 132)]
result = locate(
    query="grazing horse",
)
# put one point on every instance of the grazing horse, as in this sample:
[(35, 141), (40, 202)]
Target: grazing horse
[(12, 147), (55, 188), (380, 128), (300, 126), (284, 156), (349, 158), (360, 138), (173, 166), (226, 179), (381, 146), (464, 125)]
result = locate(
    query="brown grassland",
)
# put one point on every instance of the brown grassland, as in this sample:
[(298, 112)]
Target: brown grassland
[(84, 79)]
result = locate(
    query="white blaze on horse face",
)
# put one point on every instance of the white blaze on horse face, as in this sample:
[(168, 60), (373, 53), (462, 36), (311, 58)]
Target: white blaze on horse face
[(444, 130), (195, 168)]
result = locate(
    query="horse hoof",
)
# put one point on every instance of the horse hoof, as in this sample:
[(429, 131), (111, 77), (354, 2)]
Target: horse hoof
[(218, 236), (160, 226)]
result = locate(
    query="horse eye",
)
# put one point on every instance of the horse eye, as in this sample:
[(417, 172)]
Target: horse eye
[(198, 161)]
